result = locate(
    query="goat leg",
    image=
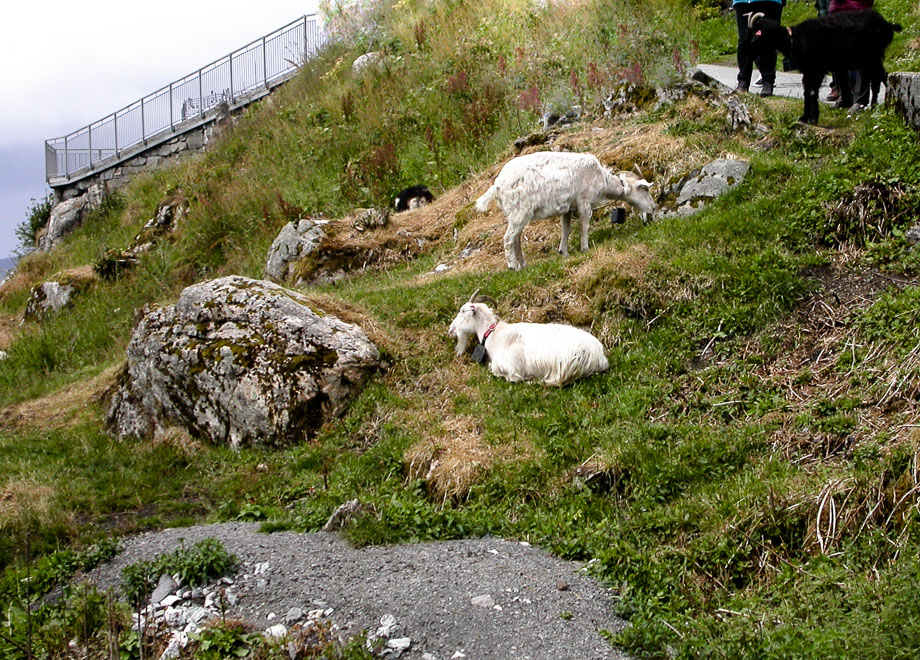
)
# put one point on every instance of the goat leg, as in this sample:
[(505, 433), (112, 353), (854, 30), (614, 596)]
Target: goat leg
[(584, 214), (566, 231)]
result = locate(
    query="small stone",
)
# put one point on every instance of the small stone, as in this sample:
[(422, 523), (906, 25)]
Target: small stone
[(165, 586), (275, 632), (562, 585), (428, 656), (170, 600), (387, 625), (271, 616), (175, 617), (457, 655), (399, 644), (197, 613), (485, 601), (293, 615)]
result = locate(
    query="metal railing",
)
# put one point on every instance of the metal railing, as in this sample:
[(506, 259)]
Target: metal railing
[(259, 65)]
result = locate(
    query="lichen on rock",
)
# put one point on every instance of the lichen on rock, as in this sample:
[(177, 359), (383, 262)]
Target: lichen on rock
[(240, 362)]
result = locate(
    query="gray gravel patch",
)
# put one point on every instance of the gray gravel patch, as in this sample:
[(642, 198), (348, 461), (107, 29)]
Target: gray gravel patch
[(485, 598)]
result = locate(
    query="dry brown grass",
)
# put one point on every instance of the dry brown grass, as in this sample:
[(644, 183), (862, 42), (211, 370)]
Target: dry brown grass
[(23, 499), (72, 405), (452, 460)]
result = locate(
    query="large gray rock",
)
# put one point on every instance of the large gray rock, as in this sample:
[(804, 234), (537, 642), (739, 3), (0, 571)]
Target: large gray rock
[(239, 362), (293, 243), (65, 217), (715, 179)]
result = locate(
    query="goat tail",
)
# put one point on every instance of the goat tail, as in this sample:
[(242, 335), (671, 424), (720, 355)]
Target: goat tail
[(483, 202)]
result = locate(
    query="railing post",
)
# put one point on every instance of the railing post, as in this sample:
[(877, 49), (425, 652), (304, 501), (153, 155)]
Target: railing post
[(303, 53), (172, 124), (66, 156), (231, 78), (143, 126), (264, 65), (200, 96), (115, 122), (89, 133)]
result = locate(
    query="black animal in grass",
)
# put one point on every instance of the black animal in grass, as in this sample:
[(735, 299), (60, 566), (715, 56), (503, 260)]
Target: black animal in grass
[(838, 43), (413, 197)]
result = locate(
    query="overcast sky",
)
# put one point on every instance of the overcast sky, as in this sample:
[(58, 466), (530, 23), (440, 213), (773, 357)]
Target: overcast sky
[(70, 63)]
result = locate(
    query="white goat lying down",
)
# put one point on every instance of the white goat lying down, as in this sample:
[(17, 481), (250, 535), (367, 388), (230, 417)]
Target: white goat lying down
[(551, 353), (549, 183)]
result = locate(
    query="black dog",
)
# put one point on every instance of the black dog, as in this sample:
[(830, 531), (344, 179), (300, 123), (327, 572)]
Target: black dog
[(413, 197), (837, 43)]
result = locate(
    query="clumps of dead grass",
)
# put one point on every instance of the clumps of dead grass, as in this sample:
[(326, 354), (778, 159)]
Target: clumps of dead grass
[(451, 462), (30, 269), (24, 499), (68, 407), (886, 502), (868, 213)]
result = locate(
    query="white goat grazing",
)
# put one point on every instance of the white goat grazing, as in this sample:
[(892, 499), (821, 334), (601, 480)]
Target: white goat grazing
[(549, 183), (551, 353)]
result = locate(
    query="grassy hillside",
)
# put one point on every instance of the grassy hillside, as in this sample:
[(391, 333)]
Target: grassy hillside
[(746, 473)]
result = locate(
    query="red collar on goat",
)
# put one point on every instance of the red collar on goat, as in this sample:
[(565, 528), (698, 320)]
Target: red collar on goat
[(488, 332)]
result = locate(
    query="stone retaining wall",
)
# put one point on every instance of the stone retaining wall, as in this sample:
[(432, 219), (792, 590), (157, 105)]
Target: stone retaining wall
[(904, 92), (157, 155)]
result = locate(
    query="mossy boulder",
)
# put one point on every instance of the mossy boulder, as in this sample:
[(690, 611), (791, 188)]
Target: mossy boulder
[(56, 294), (240, 362), (295, 242)]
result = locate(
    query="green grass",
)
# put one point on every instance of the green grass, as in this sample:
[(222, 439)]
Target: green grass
[(710, 443)]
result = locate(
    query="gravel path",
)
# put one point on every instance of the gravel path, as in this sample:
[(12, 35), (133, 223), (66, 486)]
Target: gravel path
[(484, 598)]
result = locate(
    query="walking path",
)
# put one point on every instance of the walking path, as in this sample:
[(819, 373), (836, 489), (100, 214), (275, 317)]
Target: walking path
[(787, 84)]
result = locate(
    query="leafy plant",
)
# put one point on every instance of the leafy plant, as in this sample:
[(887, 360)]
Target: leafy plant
[(37, 216), (195, 565)]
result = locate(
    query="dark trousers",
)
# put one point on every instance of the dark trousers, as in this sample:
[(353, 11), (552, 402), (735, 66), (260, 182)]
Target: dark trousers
[(766, 63)]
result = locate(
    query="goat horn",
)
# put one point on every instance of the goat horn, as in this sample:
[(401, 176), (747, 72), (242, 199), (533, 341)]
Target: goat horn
[(638, 171), (475, 293), (752, 18), (487, 299)]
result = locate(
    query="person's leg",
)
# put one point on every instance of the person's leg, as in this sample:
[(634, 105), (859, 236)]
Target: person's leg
[(745, 63)]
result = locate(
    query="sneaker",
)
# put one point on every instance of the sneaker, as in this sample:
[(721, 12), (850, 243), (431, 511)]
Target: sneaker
[(767, 89), (833, 97), (740, 88), (856, 109)]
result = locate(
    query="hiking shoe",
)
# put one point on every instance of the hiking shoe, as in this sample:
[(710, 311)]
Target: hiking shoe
[(740, 88), (767, 89), (833, 97)]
